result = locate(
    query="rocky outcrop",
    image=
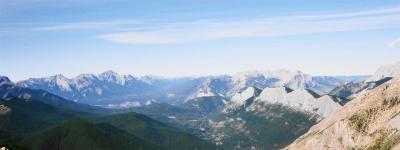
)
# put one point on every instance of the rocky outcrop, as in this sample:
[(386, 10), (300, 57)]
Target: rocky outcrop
[(371, 121)]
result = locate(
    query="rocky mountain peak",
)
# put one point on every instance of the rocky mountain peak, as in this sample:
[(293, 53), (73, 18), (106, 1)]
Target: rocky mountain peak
[(5, 80)]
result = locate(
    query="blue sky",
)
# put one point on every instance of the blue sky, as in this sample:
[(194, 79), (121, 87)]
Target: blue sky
[(199, 37)]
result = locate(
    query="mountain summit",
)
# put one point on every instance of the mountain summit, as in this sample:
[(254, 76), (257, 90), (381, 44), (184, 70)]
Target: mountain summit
[(5, 80)]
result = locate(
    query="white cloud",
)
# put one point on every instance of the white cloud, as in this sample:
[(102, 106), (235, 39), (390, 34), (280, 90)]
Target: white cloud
[(138, 38), (382, 11), (394, 43), (93, 25), (74, 26), (134, 32), (286, 26)]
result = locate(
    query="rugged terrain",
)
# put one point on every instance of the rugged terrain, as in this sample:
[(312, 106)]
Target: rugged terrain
[(371, 121)]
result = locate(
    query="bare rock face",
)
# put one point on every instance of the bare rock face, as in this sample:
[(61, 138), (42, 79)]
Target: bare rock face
[(371, 121)]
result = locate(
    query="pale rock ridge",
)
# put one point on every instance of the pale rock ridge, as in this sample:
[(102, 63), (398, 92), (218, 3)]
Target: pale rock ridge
[(240, 99), (300, 99), (367, 122)]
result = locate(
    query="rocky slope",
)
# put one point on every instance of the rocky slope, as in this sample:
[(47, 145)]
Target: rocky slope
[(300, 99), (371, 121), (307, 101)]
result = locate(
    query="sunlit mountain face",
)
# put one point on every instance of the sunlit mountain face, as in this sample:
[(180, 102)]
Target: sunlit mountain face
[(201, 75)]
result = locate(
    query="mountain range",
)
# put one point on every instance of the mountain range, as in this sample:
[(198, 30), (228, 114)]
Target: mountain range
[(247, 110), (110, 88), (37, 119)]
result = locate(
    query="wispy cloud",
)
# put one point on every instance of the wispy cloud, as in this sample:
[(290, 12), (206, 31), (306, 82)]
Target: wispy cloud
[(394, 43), (111, 25), (139, 38), (10, 5), (373, 12), (76, 26), (134, 32)]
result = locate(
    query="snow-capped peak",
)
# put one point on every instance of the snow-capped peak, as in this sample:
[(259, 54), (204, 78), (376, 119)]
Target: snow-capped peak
[(62, 82), (282, 74), (112, 76), (274, 78), (109, 74), (212, 86), (83, 80), (391, 70), (5, 81)]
